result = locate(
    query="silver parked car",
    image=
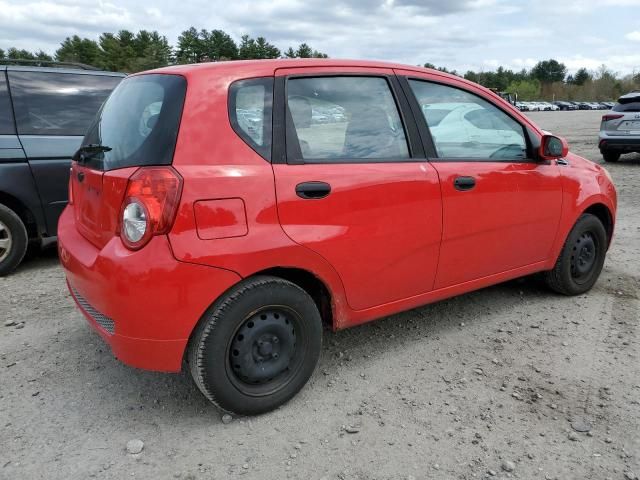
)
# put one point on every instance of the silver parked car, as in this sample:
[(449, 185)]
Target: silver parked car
[(620, 128)]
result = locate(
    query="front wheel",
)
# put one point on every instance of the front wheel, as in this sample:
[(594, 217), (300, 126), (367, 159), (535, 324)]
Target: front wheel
[(581, 259), (257, 346)]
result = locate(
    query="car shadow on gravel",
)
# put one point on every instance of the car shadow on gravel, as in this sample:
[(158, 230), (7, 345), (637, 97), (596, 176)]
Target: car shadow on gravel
[(625, 161), (38, 258)]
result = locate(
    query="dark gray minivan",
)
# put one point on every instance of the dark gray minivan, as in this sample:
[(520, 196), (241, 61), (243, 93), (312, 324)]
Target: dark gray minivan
[(44, 114)]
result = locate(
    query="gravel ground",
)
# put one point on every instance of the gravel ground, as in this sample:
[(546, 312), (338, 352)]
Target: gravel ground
[(507, 382)]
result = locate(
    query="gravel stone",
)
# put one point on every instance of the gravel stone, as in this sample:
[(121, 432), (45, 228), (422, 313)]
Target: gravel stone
[(134, 447), (227, 419), (508, 466)]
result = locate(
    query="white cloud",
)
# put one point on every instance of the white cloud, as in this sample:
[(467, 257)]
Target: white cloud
[(633, 36)]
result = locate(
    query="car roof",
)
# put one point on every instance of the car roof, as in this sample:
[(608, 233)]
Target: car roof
[(256, 68), (23, 68)]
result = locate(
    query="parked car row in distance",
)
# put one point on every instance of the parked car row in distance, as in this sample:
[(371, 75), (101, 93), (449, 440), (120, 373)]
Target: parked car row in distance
[(562, 105)]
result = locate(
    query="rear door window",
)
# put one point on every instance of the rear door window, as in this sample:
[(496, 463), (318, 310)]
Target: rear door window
[(6, 115), (342, 119), (50, 103)]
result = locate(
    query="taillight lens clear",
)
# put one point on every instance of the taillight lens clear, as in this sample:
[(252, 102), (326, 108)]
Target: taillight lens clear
[(611, 116), (150, 205)]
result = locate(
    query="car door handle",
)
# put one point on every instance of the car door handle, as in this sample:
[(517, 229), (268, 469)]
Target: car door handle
[(464, 183), (313, 190)]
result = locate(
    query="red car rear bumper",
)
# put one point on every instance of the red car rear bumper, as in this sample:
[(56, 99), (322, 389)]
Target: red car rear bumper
[(144, 304)]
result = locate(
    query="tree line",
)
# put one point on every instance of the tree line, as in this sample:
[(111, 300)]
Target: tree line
[(548, 80), (130, 52)]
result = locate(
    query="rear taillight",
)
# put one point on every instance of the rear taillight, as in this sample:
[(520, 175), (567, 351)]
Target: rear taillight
[(611, 116), (150, 205)]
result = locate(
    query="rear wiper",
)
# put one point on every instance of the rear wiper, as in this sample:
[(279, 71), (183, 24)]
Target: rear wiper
[(87, 151)]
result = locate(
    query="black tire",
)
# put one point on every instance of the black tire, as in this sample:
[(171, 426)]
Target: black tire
[(13, 240), (611, 157), (256, 346), (581, 259)]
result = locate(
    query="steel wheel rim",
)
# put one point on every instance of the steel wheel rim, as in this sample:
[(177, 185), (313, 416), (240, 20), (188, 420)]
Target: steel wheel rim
[(282, 359), (584, 257), (6, 241)]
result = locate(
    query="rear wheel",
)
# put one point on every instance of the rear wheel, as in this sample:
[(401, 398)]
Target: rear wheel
[(611, 156), (581, 259), (13, 240), (257, 346)]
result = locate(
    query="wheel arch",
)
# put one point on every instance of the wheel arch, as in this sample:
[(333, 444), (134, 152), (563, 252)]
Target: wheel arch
[(310, 283), (23, 212), (602, 212)]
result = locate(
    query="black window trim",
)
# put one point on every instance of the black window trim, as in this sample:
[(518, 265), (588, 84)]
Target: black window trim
[(266, 151), (425, 132), (282, 152)]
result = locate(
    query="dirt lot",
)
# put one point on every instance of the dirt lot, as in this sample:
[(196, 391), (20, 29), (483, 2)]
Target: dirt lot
[(473, 387)]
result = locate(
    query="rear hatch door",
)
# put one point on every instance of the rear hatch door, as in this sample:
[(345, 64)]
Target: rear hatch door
[(136, 127)]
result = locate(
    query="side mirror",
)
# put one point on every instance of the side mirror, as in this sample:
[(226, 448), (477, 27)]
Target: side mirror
[(552, 148)]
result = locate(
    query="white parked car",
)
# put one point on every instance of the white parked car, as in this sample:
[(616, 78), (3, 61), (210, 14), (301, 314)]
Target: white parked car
[(477, 124)]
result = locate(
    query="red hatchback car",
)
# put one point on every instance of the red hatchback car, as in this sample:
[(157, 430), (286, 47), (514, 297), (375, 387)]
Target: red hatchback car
[(220, 213)]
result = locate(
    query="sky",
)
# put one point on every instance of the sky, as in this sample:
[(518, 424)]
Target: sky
[(457, 34)]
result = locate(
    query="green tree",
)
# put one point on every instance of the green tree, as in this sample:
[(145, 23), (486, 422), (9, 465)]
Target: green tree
[(152, 50), (190, 47), (581, 77), (525, 89), (118, 51), (256, 48), (79, 50), (44, 56), (218, 45), (304, 51), (2, 54), (549, 71), (15, 54)]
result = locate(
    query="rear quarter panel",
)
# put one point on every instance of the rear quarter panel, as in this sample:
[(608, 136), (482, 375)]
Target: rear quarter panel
[(216, 164)]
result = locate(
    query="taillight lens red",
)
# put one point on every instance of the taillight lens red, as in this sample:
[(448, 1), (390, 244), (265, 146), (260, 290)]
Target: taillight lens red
[(150, 205), (611, 116)]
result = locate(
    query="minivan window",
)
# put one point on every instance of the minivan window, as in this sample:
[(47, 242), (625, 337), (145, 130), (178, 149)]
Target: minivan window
[(6, 116), (334, 119), (57, 103), (465, 126), (250, 107), (139, 122)]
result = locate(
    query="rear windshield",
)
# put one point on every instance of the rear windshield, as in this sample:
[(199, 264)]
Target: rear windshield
[(139, 122), (627, 107)]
